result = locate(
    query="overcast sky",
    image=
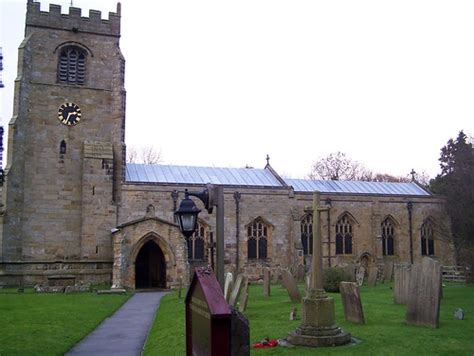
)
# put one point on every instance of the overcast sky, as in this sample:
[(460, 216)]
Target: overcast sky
[(224, 83)]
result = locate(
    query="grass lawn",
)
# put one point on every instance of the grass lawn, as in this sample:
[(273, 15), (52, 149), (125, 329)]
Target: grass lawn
[(385, 331), (50, 324)]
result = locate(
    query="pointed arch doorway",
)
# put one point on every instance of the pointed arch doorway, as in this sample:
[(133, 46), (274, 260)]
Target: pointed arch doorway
[(150, 267)]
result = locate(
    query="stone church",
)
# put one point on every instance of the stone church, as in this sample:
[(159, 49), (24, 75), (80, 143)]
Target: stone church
[(73, 211)]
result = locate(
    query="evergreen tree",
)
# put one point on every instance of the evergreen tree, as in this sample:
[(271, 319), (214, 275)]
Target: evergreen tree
[(456, 184)]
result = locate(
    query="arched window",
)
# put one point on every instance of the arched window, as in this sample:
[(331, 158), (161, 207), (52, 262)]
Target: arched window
[(257, 240), (344, 236), (196, 243), (427, 241), (72, 65), (388, 235), (307, 234)]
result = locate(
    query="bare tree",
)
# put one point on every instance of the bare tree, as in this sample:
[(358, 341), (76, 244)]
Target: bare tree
[(337, 166), (143, 154)]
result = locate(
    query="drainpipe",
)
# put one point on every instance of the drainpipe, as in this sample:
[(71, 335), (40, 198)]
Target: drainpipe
[(328, 205), (174, 196), (237, 196), (410, 228)]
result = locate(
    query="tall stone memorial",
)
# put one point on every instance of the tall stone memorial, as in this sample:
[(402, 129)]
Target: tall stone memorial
[(318, 322)]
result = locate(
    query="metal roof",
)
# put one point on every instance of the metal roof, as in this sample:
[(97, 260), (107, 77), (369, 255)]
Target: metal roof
[(353, 187), (252, 177), (157, 173)]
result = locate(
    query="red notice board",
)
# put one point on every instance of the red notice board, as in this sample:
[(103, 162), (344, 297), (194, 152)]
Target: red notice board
[(208, 316)]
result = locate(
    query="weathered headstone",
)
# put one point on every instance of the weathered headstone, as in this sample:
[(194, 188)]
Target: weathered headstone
[(351, 302), (388, 271), (276, 275), (425, 289), (293, 314), (244, 296), (266, 282), (300, 273), (180, 288), (290, 284), (401, 283), (49, 289), (360, 276), (349, 271), (307, 281), (240, 339), (459, 314), (77, 289), (372, 279), (228, 284), (236, 290)]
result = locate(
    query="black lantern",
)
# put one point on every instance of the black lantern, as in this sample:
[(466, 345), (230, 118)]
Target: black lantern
[(186, 215)]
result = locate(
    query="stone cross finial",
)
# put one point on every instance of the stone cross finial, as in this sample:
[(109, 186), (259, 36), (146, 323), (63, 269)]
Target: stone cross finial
[(268, 160), (413, 173)]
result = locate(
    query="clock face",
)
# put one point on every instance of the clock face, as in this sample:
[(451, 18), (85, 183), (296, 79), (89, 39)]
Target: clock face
[(69, 114)]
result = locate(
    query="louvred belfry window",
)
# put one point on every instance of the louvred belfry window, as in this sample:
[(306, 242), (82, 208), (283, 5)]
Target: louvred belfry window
[(72, 66)]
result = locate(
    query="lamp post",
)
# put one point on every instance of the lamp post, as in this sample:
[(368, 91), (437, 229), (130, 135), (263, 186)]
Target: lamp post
[(187, 213)]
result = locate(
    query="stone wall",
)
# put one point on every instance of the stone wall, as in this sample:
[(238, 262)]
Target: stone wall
[(282, 210)]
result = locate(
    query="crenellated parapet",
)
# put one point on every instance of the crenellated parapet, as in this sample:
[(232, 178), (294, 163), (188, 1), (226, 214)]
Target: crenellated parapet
[(73, 21)]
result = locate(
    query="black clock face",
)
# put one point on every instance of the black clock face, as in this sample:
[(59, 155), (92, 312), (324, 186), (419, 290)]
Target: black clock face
[(69, 114)]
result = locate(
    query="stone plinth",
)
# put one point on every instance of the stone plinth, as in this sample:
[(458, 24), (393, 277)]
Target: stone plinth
[(318, 327)]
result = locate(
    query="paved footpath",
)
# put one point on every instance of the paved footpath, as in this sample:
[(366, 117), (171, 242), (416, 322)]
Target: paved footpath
[(125, 332)]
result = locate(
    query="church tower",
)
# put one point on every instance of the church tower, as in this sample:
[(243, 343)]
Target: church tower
[(65, 147)]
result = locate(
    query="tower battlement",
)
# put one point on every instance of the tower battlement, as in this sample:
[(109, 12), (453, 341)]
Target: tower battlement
[(73, 21)]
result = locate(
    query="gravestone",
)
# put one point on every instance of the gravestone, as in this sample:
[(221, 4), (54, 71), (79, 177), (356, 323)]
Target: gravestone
[(360, 276), (293, 314), (276, 275), (240, 339), (300, 273), (244, 296), (228, 284), (351, 302), (372, 279), (236, 290), (266, 282), (459, 314), (388, 271), (425, 289), (307, 281), (77, 289), (208, 316), (349, 271), (401, 283), (290, 284), (180, 288)]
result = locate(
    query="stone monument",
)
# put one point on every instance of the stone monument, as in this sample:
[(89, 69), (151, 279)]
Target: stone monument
[(318, 327), (351, 302), (425, 291)]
